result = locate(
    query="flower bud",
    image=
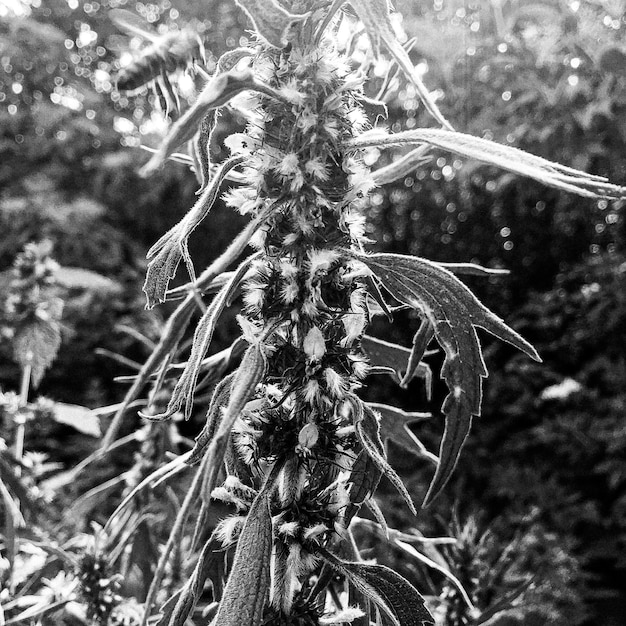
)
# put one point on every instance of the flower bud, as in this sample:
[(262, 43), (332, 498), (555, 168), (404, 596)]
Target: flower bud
[(314, 345)]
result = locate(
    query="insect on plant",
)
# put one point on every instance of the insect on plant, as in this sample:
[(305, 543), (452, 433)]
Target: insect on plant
[(165, 54), (288, 446)]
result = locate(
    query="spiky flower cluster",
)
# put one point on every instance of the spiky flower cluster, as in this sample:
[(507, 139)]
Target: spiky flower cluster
[(306, 286)]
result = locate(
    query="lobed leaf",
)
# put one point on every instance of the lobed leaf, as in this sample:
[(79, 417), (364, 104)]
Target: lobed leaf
[(166, 254), (271, 21), (454, 312), (394, 359), (394, 426), (505, 157), (395, 596)]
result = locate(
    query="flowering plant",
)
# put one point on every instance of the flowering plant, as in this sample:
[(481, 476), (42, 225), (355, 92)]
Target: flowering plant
[(288, 445)]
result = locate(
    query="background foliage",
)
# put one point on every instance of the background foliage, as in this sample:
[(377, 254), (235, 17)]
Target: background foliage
[(544, 462)]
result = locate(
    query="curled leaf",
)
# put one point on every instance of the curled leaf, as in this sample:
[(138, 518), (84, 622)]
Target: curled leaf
[(166, 254), (454, 313), (505, 157), (422, 338), (271, 20), (218, 92), (201, 146)]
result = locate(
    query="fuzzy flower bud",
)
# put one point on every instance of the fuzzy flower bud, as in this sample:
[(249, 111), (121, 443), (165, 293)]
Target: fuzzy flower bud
[(314, 345)]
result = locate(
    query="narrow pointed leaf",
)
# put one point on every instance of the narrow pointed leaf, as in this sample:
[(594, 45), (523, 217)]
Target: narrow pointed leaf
[(422, 338), (166, 254), (395, 596), (472, 269), (376, 18), (404, 166), (270, 20), (394, 426), (248, 584), (506, 157), (180, 605), (202, 147), (184, 389), (455, 313), (393, 357), (367, 430)]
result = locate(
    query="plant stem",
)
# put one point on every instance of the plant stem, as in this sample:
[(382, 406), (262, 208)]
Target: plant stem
[(21, 421)]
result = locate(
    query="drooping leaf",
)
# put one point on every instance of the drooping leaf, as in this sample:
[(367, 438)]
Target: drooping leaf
[(81, 418), (505, 157), (455, 313), (377, 21), (394, 426), (167, 252), (219, 400), (248, 584), (270, 20), (184, 389), (202, 146), (218, 92), (395, 596), (368, 434), (181, 604), (170, 337)]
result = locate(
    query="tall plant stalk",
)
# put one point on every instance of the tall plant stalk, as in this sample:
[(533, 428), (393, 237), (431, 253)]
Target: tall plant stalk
[(288, 445)]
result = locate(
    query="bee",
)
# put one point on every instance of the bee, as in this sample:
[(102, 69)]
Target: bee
[(165, 54)]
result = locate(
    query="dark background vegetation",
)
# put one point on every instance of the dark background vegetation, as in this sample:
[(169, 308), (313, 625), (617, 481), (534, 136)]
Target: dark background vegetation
[(544, 465)]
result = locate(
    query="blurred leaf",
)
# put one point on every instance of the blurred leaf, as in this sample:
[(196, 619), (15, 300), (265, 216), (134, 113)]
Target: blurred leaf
[(79, 417)]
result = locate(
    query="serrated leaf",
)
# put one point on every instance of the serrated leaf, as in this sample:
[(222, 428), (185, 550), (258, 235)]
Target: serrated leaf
[(368, 434), (395, 596), (248, 584), (222, 88), (455, 313), (165, 255), (394, 426), (505, 157), (36, 345), (184, 389), (377, 21), (81, 418), (271, 21)]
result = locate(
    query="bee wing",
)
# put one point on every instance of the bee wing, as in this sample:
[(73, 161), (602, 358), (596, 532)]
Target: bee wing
[(132, 24)]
